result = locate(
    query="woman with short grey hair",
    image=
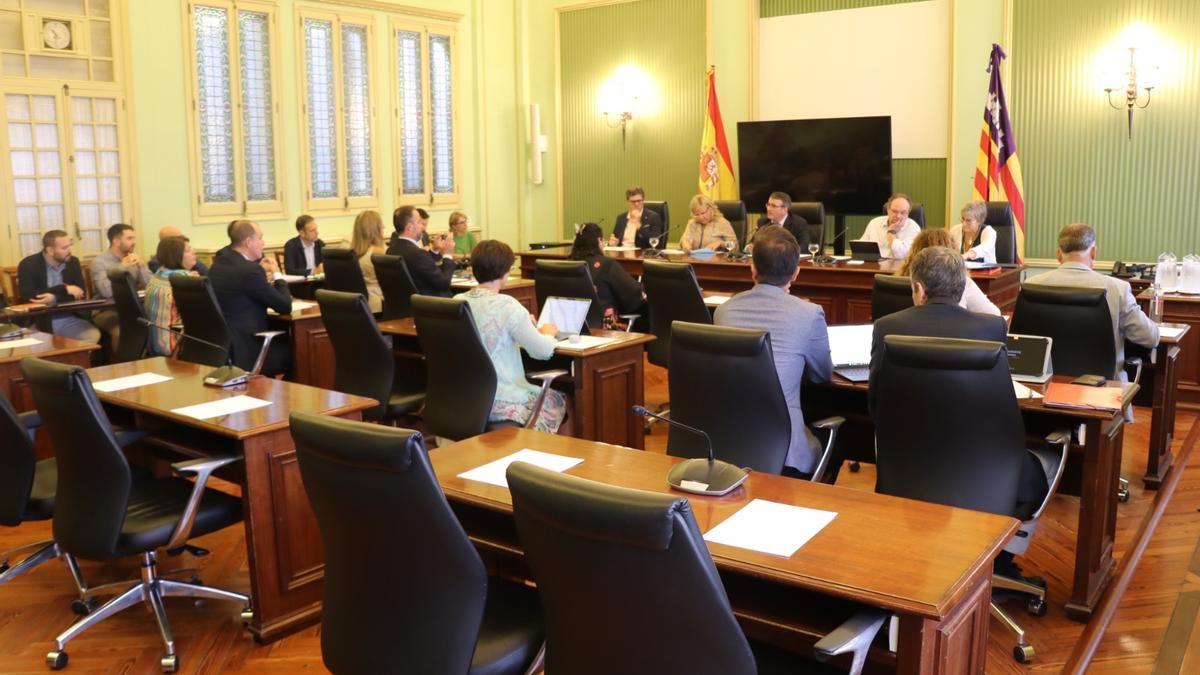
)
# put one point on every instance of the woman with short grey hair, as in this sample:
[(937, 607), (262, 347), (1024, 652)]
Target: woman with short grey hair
[(974, 240)]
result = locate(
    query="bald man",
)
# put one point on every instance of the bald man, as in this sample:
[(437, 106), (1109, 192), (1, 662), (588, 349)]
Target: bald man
[(172, 231)]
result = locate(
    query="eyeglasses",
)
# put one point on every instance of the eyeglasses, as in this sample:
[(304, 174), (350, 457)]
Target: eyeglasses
[(774, 205), (637, 200)]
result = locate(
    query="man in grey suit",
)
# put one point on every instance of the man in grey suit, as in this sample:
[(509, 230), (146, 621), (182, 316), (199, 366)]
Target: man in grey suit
[(799, 338)]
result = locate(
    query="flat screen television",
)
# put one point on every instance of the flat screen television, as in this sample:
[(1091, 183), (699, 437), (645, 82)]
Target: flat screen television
[(844, 162)]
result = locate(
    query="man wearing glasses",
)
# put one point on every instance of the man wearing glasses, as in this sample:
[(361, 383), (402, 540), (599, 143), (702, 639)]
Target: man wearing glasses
[(636, 226), (777, 214)]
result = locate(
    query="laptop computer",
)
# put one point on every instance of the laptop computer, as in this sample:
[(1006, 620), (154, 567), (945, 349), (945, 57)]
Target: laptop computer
[(569, 315), (850, 350), (1029, 357), (865, 250)]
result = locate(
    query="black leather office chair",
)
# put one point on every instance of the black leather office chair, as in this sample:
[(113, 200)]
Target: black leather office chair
[(814, 214), (397, 286), (661, 209), (628, 585), (734, 210), (1000, 217), (26, 488), (462, 380), (202, 318), (362, 355), (103, 511), (917, 213), (672, 294), (889, 295), (724, 382), (419, 600), (933, 444), (134, 335), (342, 272)]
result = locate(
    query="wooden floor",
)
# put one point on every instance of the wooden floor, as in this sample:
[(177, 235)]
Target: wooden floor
[(1162, 606)]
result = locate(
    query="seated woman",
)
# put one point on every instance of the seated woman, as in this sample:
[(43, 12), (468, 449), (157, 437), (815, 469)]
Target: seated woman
[(616, 289), (973, 298), (506, 327), (367, 241), (175, 256), (968, 239), (464, 239), (707, 227)]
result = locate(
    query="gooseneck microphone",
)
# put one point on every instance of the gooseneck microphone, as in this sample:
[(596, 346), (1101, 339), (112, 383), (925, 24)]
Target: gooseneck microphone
[(699, 476), (225, 376)]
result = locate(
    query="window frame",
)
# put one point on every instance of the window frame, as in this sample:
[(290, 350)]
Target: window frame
[(212, 212), (343, 202), (428, 197)]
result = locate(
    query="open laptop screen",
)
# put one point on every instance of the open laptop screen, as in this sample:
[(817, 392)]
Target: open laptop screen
[(567, 314), (850, 345)]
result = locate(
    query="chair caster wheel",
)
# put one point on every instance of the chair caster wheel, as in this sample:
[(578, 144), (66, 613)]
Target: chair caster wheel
[(854, 467), (170, 663), (1023, 653), (57, 660), (1036, 606), (1123, 495), (247, 615), (3, 567), (84, 607)]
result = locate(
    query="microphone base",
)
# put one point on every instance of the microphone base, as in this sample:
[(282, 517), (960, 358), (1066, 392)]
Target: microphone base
[(702, 477), (226, 376)]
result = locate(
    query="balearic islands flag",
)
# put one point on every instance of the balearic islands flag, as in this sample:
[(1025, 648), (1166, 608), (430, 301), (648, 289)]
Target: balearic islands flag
[(716, 167), (998, 172)]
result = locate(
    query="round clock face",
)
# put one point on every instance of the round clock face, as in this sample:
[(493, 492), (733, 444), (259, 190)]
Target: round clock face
[(56, 34)]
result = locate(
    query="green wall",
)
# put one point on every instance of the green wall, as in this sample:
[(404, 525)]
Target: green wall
[(1078, 165), (661, 149), (769, 8)]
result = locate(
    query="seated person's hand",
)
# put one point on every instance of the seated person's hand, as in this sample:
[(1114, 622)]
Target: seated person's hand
[(443, 244), (971, 255), (548, 329), (320, 269), (612, 240), (75, 291), (44, 298), (131, 260)]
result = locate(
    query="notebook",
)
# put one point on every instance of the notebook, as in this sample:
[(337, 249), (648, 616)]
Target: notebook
[(569, 315)]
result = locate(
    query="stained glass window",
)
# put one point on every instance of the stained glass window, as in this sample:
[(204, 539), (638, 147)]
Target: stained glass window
[(214, 104), (357, 106), (258, 133), (425, 118), (441, 117), (322, 134), (412, 127)]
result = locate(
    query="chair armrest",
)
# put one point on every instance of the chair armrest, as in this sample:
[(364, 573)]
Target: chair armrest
[(127, 437), (1137, 369), (830, 424), (267, 336), (1054, 462), (629, 319), (30, 419), (546, 376), (855, 635), (201, 469)]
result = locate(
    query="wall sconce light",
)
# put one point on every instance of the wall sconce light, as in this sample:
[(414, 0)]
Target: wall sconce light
[(618, 120), (625, 96), (1133, 79), (1132, 94)]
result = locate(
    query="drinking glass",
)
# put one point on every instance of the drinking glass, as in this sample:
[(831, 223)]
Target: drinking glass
[(813, 249)]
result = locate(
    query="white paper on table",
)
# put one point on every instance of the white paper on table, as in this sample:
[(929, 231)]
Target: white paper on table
[(671, 251), (129, 382), (1024, 392), (621, 248), (770, 527), (221, 407), (585, 342), (23, 342), (297, 306), (840, 257), (716, 299), (1170, 332), (492, 473)]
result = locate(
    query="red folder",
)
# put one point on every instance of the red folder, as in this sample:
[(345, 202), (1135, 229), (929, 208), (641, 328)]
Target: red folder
[(1065, 395)]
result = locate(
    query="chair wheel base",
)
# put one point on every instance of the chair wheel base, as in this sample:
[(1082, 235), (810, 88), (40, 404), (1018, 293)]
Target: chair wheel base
[(854, 467), (56, 660), (1023, 653), (4, 567), (84, 607), (170, 663), (1036, 606), (1123, 494)]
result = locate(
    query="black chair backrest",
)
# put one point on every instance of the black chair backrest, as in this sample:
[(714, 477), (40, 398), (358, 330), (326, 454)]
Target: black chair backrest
[(890, 294), (404, 587), (814, 213), (734, 210), (461, 385), (723, 381), (624, 555), (661, 209), (17, 460), (342, 272), (568, 279), (672, 294), (397, 286), (931, 442), (359, 349), (202, 318), (917, 213), (134, 334), (1078, 321), (1000, 217), (93, 477)]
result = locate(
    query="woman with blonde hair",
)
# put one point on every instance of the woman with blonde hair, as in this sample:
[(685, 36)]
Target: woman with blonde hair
[(464, 239), (367, 241), (971, 237), (973, 299), (707, 227)]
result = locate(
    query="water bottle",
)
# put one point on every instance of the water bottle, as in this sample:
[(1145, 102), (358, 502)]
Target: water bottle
[(1166, 276), (1156, 305)]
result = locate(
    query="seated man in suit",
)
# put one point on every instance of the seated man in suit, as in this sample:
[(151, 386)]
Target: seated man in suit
[(51, 277), (799, 338), (431, 270), (636, 226), (777, 214), (302, 253), (166, 232), (894, 232), (246, 285)]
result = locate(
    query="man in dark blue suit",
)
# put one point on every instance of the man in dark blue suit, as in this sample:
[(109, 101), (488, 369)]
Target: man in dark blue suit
[(302, 253), (636, 226), (431, 270), (239, 277)]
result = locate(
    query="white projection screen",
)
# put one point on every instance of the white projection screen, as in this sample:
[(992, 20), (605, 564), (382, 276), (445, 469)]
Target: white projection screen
[(889, 60)]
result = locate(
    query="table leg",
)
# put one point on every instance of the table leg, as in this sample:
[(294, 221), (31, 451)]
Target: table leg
[(956, 644), (607, 386), (1097, 515), (1162, 419)]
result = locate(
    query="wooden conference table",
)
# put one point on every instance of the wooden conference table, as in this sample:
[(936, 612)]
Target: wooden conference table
[(282, 540), (50, 347), (607, 382), (843, 290), (1093, 468), (939, 592)]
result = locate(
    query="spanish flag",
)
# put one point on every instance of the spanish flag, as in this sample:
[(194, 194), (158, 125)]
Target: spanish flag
[(716, 167), (998, 172)]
